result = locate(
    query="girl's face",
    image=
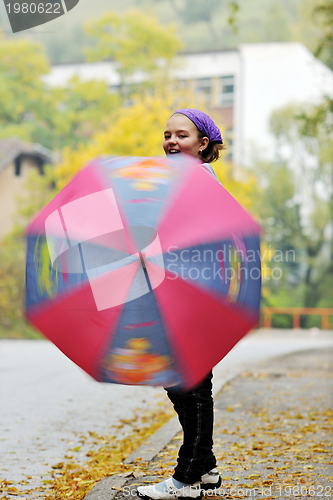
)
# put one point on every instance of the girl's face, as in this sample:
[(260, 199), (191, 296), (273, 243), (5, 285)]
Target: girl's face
[(181, 136)]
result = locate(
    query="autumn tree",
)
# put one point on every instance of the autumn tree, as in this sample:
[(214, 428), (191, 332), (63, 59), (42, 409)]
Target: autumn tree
[(22, 65), (323, 16), (192, 12), (36, 112), (138, 131), (296, 206), (135, 42), (78, 110), (322, 113)]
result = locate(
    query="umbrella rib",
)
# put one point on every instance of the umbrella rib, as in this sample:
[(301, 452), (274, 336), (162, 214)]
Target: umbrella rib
[(81, 256), (69, 241), (146, 275), (65, 228)]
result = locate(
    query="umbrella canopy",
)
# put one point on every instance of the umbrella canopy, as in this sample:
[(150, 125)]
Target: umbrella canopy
[(144, 271)]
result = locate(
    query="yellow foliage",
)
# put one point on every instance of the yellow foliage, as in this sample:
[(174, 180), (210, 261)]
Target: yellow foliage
[(138, 131), (136, 41), (134, 131), (243, 187)]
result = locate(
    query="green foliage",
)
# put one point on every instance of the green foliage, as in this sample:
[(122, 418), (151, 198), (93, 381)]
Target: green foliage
[(223, 24), (70, 117), (317, 120), (233, 12), (135, 41), (54, 117), (282, 321), (324, 17), (66, 45), (47, 279), (277, 24), (19, 330), (12, 262), (195, 11), (296, 205), (12, 280), (22, 64), (89, 120), (77, 112)]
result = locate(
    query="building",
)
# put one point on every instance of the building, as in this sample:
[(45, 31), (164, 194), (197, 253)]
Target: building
[(17, 158), (243, 86)]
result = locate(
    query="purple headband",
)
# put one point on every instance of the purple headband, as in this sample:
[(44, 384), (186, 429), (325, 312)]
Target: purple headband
[(203, 122)]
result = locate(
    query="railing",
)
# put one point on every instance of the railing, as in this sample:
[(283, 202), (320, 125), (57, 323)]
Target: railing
[(296, 313)]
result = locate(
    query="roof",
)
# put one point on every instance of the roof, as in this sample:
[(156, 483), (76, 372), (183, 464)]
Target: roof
[(11, 148), (181, 52), (194, 65)]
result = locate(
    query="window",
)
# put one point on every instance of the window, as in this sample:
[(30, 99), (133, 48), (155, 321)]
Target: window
[(18, 161), (203, 86), (226, 93)]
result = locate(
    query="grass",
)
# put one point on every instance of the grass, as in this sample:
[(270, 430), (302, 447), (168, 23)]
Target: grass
[(19, 330)]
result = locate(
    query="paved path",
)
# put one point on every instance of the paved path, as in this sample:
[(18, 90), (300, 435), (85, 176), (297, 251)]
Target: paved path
[(272, 434), (47, 402)]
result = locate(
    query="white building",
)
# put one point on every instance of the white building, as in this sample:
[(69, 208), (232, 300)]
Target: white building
[(243, 86)]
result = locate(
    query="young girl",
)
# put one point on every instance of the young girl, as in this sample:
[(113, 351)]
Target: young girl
[(192, 132)]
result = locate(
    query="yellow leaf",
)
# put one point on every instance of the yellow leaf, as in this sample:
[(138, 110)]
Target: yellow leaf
[(138, 473), (58, 466)]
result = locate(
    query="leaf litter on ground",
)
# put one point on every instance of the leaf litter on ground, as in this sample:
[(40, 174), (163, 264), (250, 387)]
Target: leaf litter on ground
[(73, 480), (276, 441)]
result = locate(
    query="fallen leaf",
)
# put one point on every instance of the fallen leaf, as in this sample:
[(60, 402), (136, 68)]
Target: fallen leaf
[(58, 466), (138, 473), (117, 488)]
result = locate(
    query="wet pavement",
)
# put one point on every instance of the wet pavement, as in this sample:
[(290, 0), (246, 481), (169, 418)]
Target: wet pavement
[(48, 403), (273, 432)]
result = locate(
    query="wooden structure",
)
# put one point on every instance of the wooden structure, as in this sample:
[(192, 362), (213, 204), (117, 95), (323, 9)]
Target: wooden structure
[(296, 313)]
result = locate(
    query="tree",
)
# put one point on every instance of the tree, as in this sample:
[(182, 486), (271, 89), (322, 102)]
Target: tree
[(22, 65), (78, 111), (138, 131), (136, 42), (11, 281), (205, 11), (323, 15), (135, 130), (297, 204), (322, 113), (35, 112)]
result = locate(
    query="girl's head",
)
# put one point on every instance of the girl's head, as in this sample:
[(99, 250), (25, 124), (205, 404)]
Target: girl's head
[(193, 132)]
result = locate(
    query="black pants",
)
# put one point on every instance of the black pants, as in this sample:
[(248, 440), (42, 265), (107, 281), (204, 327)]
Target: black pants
[(195, 412)]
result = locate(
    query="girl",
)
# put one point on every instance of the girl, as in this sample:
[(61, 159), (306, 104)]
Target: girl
[(192, 132)]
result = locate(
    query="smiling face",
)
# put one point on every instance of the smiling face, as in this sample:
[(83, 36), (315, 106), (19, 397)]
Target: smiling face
[(181, 136)]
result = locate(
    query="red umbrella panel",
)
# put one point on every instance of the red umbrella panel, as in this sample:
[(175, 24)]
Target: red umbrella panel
[(144, 271)]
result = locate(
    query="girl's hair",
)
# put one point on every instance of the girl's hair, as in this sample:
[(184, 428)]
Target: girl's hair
[(212, 151)]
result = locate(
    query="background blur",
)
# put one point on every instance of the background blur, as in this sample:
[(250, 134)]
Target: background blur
[(104, 79)]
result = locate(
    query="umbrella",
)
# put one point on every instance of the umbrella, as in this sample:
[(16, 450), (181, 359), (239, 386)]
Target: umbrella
[(144, 271)]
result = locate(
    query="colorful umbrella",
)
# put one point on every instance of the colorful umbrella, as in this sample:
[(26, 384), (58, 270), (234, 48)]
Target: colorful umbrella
[(144, 271)]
